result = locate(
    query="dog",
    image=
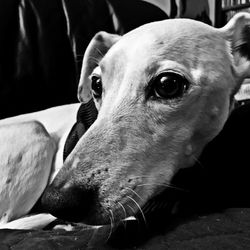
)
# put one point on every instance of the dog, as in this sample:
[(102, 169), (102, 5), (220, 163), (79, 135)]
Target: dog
[(163, 91)]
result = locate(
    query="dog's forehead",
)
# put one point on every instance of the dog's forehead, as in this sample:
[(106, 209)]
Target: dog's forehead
[(169, 32), (184, 41)]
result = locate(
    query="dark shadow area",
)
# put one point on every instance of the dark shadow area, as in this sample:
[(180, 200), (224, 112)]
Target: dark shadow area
[(43, 43)]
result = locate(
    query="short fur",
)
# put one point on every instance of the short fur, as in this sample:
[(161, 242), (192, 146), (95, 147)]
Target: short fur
[(137, 144)]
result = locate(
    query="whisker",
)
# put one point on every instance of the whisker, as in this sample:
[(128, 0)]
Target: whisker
[(134, 192), (164, 185), (111, 225), (125, 215), (139, 209), (142, 176), (198, 161), (132, 209), (112, 216), (152, 205), (149, 206), (124, 210), (134, 213), (162, 204)]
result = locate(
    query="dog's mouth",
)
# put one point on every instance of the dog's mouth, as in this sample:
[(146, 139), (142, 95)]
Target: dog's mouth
[(110, 206), (155, 213), (130, 209)]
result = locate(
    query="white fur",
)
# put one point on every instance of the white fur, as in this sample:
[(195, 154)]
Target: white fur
[(139, 137), (30, 156)]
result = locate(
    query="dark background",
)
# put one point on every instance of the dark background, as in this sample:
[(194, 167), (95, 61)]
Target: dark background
[(42, 43)]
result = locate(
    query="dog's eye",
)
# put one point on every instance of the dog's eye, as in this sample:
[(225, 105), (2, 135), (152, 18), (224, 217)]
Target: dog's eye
[(169, 85), (96, 85)]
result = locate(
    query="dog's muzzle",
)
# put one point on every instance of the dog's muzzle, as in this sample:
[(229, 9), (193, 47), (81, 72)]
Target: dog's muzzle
[(72, 203)]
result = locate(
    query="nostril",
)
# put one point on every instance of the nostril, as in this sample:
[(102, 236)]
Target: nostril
[(130, 180), (71, 204)]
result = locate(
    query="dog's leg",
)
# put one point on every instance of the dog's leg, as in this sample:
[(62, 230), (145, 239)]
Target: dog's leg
[(26, 156), (37, 221), (57, 121), (30, 155)]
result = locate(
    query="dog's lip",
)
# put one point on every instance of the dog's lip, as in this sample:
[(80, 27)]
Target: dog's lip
[(166, 201), (130, 218), (57, 223)]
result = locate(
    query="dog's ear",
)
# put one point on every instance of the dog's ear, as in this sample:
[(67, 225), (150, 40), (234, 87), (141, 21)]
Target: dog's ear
[(95, 51), (237, 32)]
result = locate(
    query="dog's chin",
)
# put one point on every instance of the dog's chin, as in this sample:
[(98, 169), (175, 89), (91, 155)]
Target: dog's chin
[(95, 215), (105, 217), (164, 202), (70, 205), (97, 220)]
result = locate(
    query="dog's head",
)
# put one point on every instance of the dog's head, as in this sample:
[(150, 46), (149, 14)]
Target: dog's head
[(163, 91)]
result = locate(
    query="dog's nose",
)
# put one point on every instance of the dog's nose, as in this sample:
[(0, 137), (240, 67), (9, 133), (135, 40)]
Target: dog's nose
[(70, 204)]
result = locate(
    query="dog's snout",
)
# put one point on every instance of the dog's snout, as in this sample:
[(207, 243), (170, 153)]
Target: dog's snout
[(68, 203)]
